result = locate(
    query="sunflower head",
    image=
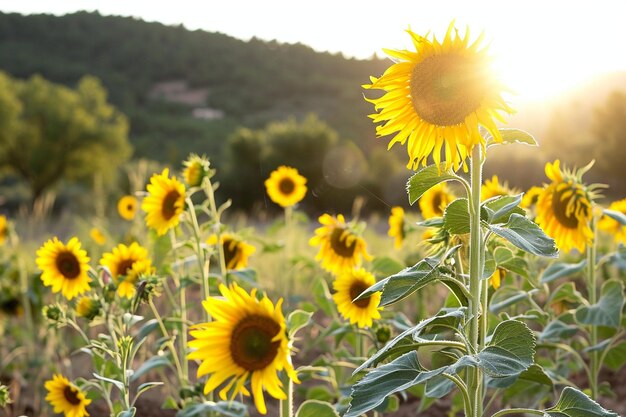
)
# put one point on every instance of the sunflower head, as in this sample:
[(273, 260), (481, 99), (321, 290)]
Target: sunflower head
[(340, 247), (165, 202), (127, 264), (64, 267), (236, 251), (349, 285), (436, 97), (196, 169), (396, 226), (434, 201), (285, 186), (88, 307), (3, 229), (246, 341), (530, 197), (493, 188), (496, 278), (66, 397), (127, 207), (564, 207), (611, 225)]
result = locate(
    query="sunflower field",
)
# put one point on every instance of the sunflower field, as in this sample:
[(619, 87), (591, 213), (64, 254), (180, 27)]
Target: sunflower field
[(476, 299)]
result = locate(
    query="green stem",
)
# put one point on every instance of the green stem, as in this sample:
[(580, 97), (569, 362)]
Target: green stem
[(475, 376), (170, 344), (289, 285), (286, 405), (518, 411), (467, 402), (593, 299), (183, 315), (218, 231), (200, 255)]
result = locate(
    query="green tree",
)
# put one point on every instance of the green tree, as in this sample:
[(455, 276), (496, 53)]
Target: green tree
[(51, 132)]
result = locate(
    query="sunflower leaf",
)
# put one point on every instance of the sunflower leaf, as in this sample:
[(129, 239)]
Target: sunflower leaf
[(315, 408), (574, 403), (426, 178), (526, 235), (608, 310), (502, 207), (224, 408), (616, 215), (456, 219), (510, 352), (511, 136), (559, 269)]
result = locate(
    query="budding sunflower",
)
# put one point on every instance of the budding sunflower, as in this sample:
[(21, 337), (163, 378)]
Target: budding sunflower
[(196, 169), (4, 396), (53, 313), (88, 307)]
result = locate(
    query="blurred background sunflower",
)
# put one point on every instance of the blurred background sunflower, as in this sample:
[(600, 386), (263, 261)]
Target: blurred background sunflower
[(64, 267)]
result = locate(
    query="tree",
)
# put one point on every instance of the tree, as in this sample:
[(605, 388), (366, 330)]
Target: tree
[(51, 132)]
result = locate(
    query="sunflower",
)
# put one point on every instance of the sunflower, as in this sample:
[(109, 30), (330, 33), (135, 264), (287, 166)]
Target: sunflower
[(437, 97), (66, 397), (88, 307), (348, 285), (564, 209), (285, 186), (127, 207), (340, 248), (165, 202), (196, 168), (97, 236), (496, 278), (612, 226), (530, 197), (3, 229), (434, 201), (396, 226), (64, 267), (236, 251), (246, 339), (492, 188), (126, 264)]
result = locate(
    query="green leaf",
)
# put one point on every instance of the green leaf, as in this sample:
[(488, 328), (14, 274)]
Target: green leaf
[(616, 357), (296, 320), (115, 382), (385, 266), (248, 275), (574, 403), (616, 215), (510, 352), (489, 267), (224, 408), (534, 373), (399, 286), (147, 328), (424, 179), (566, 292), (511, 136), (323, 297), (150, 364), (556, 331), (456, 219), (128, 413), (559, 269), (505, 259), (506, 297), (145, 387), (315, 408), (527, 236), (501, 208), (608, 310)]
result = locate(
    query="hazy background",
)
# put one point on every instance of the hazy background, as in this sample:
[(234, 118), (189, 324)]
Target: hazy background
[(258, 84)]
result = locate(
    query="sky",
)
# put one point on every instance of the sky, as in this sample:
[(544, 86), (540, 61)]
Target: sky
[(541, 48)]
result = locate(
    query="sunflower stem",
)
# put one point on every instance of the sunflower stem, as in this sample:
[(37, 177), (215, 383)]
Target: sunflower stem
[(475, 376), (218, 231), (183, 315), (170, 344), (288, 250), (200, 254), (286, 405), (594, 364)]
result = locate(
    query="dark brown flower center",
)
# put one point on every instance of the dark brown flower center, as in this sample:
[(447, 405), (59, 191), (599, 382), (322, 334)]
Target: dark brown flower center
[(68, 265), (251, 344), (355, 290), (339, 245), (231, 250), (559, 207), (445, 89), (286, 186), (130, 207), (124, 266), (71, 395), (168, 208), (437, 200)]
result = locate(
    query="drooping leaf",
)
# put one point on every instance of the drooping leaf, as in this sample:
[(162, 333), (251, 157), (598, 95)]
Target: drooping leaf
[(608, 310), (534, 373), (574, 403), (506, 259), (501, 208), (118, 384), (510, 352), (556, 331), (222, 408), (152, 363), (315, 408), (527, 236), (296, 320), (618, 216), (456, 219), (511, 136), (566, 292), (424, 179), (560, 269), (616, 356), (128, 413)]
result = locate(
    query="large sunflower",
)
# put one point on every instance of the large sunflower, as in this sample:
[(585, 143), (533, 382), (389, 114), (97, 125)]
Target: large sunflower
[(340, 248), (437, 97), (396, 226), (127, 207), (285, 186), (236, 251), (246, 340), (348, 285), (165, 202), (564, 209), (612, 226), (126, 264), (493, 188), (3, 229), (434, 201), (64, 267), (66, 397)]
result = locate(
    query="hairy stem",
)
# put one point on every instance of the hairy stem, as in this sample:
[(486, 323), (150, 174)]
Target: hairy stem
[(593, 299)]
